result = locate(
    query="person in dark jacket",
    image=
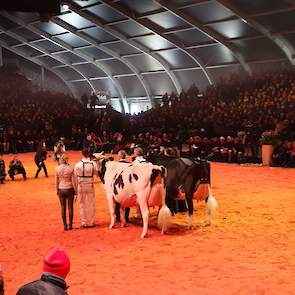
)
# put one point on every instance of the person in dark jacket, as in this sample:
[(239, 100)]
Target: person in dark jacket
[(2, 170), (1, 282), (16, 167), (56, 267), (40, 158), (90, 145), (280, 154)]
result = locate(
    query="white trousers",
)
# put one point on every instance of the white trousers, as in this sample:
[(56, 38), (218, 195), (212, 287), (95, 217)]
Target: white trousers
[(86, 191)]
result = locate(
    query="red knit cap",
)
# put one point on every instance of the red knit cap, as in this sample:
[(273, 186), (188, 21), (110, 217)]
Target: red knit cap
[(57, 262)]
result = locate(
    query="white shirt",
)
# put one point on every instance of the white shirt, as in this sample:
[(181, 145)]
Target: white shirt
[(64, 177), (61, 150), (85, 170), (140, 159)]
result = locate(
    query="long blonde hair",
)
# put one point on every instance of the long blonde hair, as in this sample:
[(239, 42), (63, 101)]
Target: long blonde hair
[(64, 159)]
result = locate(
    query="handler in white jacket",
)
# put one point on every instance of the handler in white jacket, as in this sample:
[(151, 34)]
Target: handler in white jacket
[(84, 172), (138, 154)]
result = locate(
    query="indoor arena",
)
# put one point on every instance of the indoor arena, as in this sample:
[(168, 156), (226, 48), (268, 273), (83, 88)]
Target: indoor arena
[(147, 147)]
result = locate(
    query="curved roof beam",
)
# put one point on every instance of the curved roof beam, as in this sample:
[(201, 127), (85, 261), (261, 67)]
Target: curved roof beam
[(89, 16), (168, 5), (46, 53), (93, 42), (39, 63), (155, 30), (69, 48), (277, 39), (273, 11)]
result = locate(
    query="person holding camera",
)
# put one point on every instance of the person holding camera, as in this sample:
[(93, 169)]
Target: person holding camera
[(16, 167), (59, 150)]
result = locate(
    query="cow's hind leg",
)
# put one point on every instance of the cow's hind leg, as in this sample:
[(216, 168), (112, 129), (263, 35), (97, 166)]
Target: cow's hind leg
[(189, 194), (142, 201), (171, 199), (190, 205), (111, 204)]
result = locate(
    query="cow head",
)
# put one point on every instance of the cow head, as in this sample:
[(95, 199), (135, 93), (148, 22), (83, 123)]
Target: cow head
[(204, 171), (98, 156), (102, 169), (101, 163), (163, 171), (158, 171)]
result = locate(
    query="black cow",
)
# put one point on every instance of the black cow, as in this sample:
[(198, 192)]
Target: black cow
[(185, 174)]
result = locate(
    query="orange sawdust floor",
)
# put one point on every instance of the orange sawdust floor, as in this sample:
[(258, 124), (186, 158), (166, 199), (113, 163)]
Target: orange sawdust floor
[(248, 250)]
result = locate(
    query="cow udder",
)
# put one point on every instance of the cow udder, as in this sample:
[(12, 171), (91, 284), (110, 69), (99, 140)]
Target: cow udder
[(200, 194), (156, 195), (127, 202)]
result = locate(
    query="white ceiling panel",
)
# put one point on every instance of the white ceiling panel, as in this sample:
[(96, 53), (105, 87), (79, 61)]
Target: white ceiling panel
[(159, 83), (145, 63)]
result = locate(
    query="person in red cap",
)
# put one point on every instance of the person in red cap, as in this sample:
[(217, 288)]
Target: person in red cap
[(56, 266), (1, 281)]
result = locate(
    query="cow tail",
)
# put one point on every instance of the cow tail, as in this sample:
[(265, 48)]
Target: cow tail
[(164, 215), (212, 205)]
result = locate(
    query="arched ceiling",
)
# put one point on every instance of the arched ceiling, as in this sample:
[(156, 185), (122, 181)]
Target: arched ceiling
[(144, 48)]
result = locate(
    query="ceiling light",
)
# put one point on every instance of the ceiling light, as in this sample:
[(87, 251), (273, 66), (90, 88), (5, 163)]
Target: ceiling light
[(65, 7)]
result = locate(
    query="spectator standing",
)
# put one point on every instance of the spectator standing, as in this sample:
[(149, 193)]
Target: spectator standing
[(66, 189), (2, 170)]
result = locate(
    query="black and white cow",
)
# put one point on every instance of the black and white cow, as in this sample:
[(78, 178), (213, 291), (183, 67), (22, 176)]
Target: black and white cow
[(185, 174), (134, 185)]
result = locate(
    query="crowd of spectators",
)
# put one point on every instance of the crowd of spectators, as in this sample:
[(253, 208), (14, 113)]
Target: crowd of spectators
[(227, 120), (27, 117), (224, 123)]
